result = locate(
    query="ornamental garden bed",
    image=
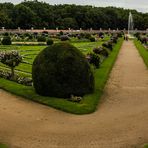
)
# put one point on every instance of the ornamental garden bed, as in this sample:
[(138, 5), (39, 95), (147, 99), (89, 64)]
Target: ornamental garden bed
[(89, 102)]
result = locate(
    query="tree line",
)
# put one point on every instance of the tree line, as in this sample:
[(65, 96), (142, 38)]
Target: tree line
[(41, 15)]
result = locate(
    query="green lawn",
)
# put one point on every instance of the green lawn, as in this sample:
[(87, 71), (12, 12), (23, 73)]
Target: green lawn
[(3, 146), (30, 52), (145, 146), (142, 50), (88, 103)]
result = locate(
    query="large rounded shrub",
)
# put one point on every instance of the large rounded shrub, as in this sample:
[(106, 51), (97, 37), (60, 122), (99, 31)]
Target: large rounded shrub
[(61, 70), (6, 40)]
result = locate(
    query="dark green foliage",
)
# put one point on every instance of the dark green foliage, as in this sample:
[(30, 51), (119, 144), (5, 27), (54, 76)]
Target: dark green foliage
[(87, 35), (119, 34), (114, 40), (93, 59), (41, 39), (29, 35), (101, 51), (6, 34), (6, 40), (108, 45), (61, 33), (49, 42), (38, 15), (61, 70), (97, 50), (137, 34), (92, 39), (143, 40)]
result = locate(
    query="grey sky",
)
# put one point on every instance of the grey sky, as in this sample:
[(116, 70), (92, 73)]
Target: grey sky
[(140, 5)]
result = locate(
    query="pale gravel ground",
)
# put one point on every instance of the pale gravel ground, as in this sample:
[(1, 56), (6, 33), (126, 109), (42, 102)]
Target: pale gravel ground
[(121, 120)]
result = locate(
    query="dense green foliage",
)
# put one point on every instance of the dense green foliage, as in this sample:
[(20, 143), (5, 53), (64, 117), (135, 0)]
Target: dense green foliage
[(61, 70), (92, 39), (41, 39), (142, 50), (6, 40), (39, 15), (93, 59), (49, 42)]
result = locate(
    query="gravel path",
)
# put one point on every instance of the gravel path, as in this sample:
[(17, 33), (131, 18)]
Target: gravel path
[(121, 120)]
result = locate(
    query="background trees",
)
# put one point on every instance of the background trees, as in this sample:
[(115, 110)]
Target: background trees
[(42, 15)]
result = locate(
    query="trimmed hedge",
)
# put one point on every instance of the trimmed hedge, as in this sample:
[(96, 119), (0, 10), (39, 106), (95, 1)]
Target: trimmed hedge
[(61, 70), (49, 42), (41, 39), (6, 40)]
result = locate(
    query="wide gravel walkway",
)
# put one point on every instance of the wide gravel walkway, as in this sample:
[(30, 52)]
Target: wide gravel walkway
[(121, 120)]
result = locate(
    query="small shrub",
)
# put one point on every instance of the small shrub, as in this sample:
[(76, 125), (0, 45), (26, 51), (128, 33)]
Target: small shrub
[(93, 59), (114, 39), (97, 50), (87, 35), (6, 34), (103, 52), (11, 59), (6, 40), (143, 40), (108, 45), (64, 38), (119, 34), (45, 32), (61, 33), (137, 34), (41, 39), (49, 42), (92, 39)]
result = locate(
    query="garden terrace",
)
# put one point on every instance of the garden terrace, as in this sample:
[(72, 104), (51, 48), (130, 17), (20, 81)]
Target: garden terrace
[(88, 103), (30, 52)]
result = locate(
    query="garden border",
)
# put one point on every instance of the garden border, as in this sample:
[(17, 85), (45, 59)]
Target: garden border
[(89, 102)]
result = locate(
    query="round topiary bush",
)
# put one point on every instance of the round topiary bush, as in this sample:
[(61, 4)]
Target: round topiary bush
[(6, 40), (94, 59), (92, 39), (49, 42), (61, 70)]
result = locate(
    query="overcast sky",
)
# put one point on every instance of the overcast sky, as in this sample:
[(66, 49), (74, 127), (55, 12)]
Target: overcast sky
[(140, 5)]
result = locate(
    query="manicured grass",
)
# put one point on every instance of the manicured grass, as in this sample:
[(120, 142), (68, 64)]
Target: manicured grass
[(3, 146), (89, 102), (30, 52), (145, 146), (142, 50)]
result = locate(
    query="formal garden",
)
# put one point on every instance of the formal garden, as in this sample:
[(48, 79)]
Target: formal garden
[(60, 61), (79, 65)]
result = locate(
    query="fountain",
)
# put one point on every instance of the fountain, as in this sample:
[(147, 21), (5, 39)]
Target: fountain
[(130, 25)]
